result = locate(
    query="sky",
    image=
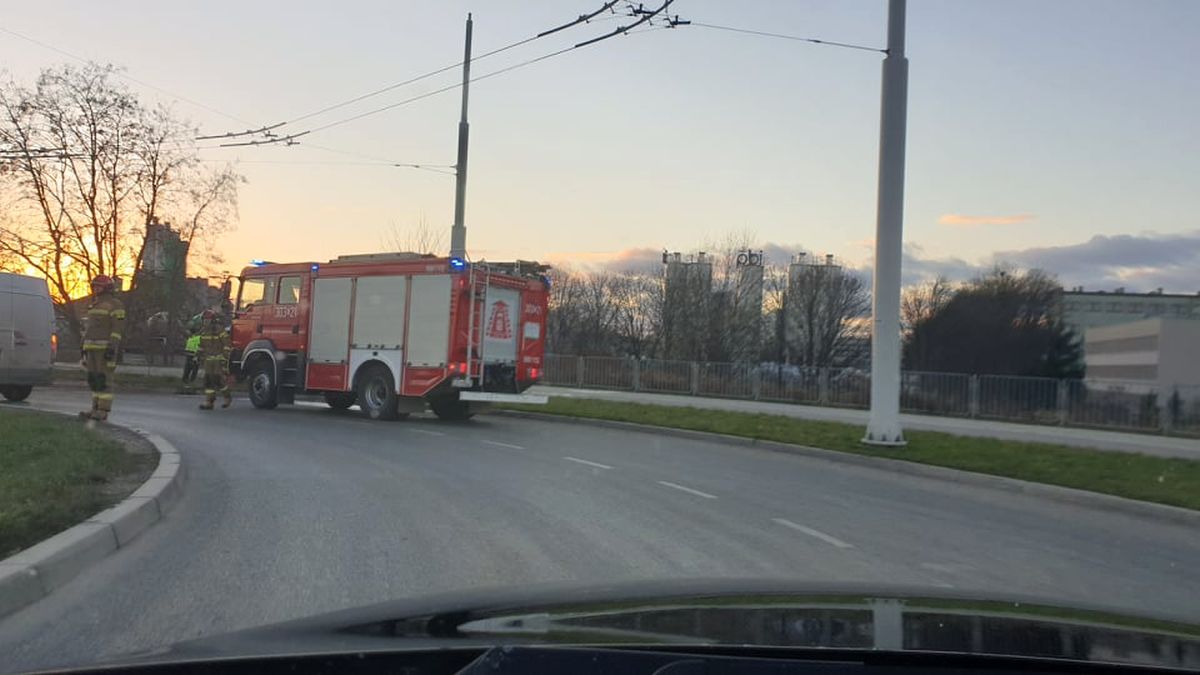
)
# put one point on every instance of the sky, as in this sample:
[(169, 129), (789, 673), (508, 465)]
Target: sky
[(1059, 134)]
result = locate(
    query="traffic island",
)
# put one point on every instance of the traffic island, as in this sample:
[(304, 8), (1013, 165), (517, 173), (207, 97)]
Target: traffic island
[(1144, 478), (71, 494)]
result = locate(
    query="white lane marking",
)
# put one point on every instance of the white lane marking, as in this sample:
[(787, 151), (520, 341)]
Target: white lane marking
[(427, 432), (687, 490), (504, 445), (598, 465), (812, 533)]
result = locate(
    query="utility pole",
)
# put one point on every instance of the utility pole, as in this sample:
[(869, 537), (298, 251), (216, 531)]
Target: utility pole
[(458, 232), (883, 427)]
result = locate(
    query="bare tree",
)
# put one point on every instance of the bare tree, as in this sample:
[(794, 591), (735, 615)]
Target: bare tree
[(602, 312), (564, 321), (922, 301), (775, 345), (729, 338), (1004, 322), (637, 313), (419, 238), (83, 167), (823, 300)]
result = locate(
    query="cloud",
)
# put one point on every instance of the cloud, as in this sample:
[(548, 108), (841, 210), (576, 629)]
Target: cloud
[(915, 267), (637, 259), (962, 220), (647, 259), (1137, 262), (1140, 262)]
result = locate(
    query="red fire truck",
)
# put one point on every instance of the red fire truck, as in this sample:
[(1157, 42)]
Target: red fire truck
[(392, 332)]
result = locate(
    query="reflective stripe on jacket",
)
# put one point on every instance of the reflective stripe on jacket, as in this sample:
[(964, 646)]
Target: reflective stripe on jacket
[(214, 346), (105, 322)]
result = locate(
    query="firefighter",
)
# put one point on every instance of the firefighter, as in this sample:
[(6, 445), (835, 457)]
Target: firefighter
[(190, 366), (101, 338), (213, 356)]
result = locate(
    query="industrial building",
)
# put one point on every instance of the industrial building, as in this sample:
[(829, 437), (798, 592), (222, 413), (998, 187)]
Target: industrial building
[(1082, 309), (1163, 354), (687, 304)]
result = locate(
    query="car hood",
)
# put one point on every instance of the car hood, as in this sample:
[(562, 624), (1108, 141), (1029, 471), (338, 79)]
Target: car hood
[(757, 613)]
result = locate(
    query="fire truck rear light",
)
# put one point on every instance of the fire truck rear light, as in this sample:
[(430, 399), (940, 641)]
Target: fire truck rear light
[(533, 373), (458, 367)]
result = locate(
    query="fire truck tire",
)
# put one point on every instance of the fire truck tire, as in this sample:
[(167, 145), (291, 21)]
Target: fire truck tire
[(377, 393), (340, 400), (260, 384), (452, 410)]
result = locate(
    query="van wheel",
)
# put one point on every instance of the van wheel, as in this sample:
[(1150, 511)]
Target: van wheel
[(452, 410), (16, 392), (261, 385), (377, 393), (340, 400)]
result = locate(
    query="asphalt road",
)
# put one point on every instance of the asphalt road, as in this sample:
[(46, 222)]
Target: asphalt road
[(304, 510)]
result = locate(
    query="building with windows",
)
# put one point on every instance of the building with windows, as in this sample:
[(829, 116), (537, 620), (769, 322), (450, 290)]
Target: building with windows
[(1082, 309)]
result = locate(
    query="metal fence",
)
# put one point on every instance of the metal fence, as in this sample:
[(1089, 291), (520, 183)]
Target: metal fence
[(1087, 403)]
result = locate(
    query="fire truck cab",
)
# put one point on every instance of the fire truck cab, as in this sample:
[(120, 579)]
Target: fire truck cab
[(391, 332)]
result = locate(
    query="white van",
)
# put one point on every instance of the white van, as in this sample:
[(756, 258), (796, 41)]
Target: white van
[(27, 339)]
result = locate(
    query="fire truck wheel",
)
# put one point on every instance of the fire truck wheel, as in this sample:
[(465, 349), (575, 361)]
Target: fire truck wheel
[(377, 393), (261, 385), (340, 400), (451, 410)]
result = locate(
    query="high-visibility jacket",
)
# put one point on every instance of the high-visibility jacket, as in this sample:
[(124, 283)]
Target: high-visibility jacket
[(192, 345), (105, 323)]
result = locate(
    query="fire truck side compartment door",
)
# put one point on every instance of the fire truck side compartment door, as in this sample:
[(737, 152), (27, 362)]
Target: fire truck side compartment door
[(500, 325), (429, 321), (330, 338), (379, 304)]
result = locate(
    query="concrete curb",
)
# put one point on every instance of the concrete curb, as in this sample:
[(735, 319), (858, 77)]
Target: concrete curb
[(1057, 493), (38, 570)]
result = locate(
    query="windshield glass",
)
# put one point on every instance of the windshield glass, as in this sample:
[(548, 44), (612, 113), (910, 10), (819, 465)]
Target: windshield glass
[(872, 294), (252, 293), (289, 290)]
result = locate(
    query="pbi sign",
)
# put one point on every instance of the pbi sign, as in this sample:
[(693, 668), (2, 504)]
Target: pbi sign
[(748, 257)]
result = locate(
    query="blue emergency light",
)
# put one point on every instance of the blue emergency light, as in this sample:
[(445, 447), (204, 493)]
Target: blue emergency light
[(457, 264), (259, 263)]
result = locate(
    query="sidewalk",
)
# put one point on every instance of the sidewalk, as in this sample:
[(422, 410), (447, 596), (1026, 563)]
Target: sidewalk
[(1163, 446)]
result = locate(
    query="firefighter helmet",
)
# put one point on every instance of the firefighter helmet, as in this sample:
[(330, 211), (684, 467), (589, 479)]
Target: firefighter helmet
[(102, 283)]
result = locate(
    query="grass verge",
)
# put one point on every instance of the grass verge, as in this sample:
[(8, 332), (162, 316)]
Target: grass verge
[(54, 473), (1154, 479), (125, 380)]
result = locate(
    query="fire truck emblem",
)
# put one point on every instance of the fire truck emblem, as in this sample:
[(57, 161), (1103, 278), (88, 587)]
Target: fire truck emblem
[(499, 325)]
